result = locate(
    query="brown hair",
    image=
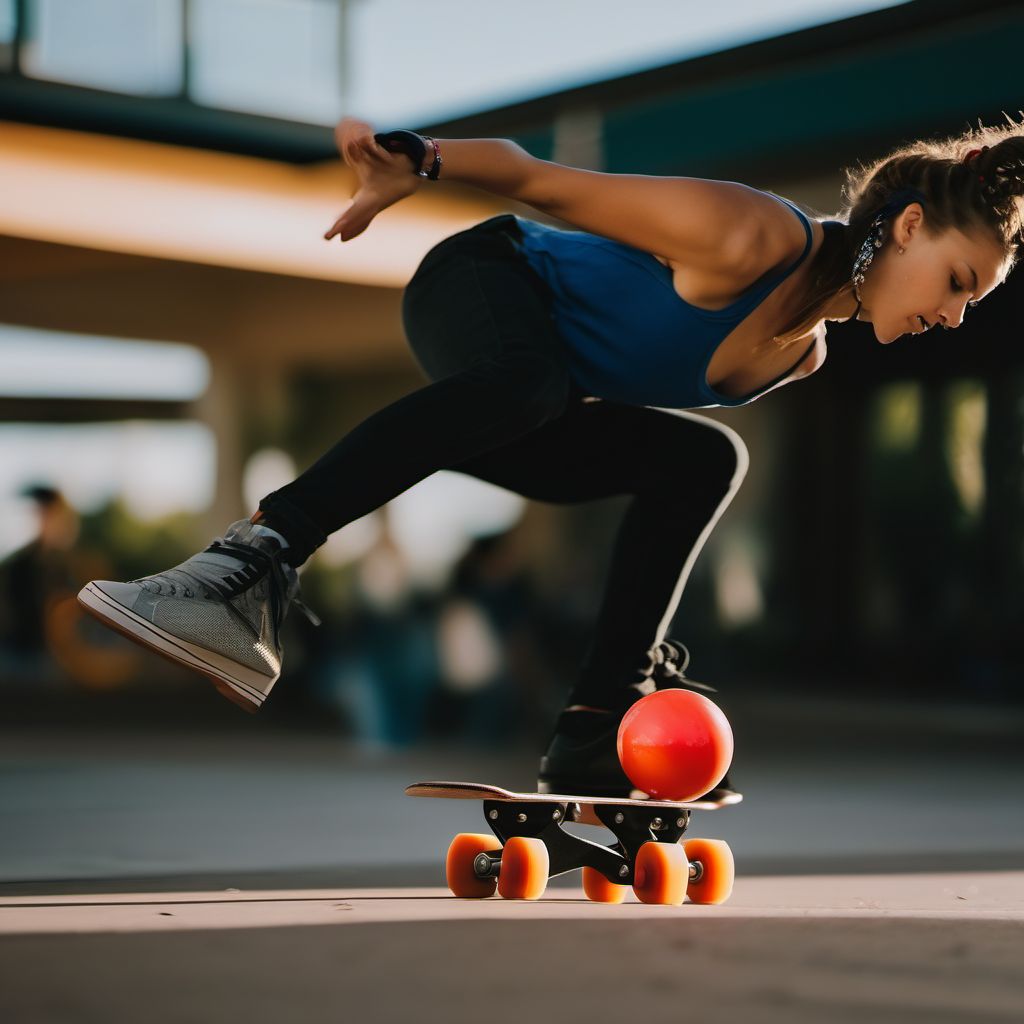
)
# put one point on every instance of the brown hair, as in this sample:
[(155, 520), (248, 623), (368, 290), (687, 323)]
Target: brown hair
[(955, 198)]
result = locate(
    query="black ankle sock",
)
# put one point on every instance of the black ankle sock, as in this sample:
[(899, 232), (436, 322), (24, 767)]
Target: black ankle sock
[(272, 522), (303, 533), (292, 554)]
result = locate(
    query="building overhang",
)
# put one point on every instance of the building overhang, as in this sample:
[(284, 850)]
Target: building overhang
[(220, 209)]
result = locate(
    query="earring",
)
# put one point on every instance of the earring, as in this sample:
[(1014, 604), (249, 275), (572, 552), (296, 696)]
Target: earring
[(867, 252), (901, 250)]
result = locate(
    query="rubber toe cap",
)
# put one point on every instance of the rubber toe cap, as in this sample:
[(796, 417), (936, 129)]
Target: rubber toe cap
[(125, 594)]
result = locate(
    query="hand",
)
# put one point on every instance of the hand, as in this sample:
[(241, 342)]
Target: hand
[(384, 178)]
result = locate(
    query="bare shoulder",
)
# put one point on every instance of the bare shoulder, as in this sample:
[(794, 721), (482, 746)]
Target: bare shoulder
[(776, 237), (720, 227), (781, 231)]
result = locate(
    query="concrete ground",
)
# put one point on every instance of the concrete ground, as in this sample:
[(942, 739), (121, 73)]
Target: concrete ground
[(282, 875), (902, 948)]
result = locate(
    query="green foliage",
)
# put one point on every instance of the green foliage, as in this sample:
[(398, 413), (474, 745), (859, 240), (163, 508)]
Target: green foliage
[(137, 547)]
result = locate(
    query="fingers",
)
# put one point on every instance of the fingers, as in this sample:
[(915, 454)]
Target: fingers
[(373, 152), (352, 150), (341, 227), (350, 128), (349, 134), (366, 150), (346, 227), (345, 232), (351, 125)]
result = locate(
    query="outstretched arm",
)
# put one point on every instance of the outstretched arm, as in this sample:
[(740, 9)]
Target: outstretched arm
[(717, 225), (720, 226)]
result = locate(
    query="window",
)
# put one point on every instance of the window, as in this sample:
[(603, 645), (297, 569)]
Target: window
[(274, 57), (132, 46), (52, 364)]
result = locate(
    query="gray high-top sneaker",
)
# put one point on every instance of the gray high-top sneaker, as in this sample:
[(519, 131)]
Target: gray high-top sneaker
[(219, 612)]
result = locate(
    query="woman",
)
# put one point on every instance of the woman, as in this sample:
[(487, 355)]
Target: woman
[(552, 354)]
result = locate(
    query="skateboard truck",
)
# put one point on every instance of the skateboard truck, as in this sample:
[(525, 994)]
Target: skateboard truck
[(631, 826)]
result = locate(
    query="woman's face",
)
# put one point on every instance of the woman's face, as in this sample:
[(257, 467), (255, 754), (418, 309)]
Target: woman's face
[(935, 278)]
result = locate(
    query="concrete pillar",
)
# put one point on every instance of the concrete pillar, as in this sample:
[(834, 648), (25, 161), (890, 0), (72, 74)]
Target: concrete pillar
[(220, 409)]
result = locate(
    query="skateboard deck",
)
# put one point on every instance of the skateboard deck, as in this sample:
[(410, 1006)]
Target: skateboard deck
[(529, 845), (585, 804)]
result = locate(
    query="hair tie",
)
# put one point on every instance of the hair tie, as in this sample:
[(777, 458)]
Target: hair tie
[(972, 154)]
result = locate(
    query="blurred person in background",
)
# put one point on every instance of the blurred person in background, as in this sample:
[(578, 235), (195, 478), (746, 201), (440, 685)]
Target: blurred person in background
[(43, 638), (490, 665), (383, 685), (560, 365), (31, 576)]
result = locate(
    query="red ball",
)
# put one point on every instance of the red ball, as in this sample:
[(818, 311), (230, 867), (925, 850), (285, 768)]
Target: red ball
[(675, 744)]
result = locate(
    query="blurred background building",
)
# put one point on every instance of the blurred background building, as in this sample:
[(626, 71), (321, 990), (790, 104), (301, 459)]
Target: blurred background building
[(177, 340)]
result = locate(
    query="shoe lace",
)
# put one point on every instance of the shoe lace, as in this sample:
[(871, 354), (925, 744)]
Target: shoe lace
[(666, 666), (257, 564)]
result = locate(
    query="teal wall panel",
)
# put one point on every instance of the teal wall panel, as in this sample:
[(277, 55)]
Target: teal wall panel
[(940, 82)]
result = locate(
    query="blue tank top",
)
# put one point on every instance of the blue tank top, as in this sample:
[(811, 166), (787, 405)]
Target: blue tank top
[(631, 338)]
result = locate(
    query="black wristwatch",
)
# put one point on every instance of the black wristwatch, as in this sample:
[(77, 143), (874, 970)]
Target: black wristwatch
[(413, 146)]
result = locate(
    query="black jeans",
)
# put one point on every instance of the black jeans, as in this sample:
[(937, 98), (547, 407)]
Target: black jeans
[(502, 407)]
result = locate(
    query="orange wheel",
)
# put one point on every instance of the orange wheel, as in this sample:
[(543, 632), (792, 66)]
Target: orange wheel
[(717, 870), (524, 869), (600, 890), (661, 873), (463, 851)]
